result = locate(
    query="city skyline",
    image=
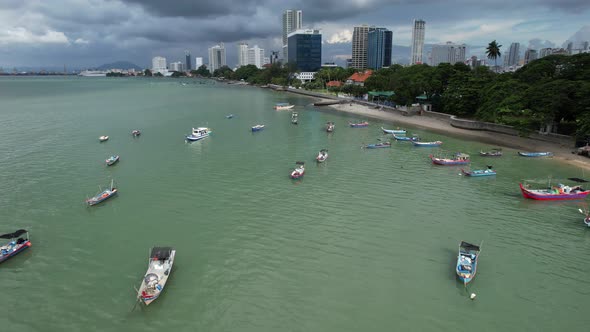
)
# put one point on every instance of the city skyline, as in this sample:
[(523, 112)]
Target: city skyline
[(84, 33)]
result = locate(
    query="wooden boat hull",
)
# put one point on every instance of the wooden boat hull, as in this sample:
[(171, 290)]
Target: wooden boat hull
[(532, 194), (158, 271), (427, 144), (467, 259), (478, 173), (20, 248), (535, 154), (448, 162)]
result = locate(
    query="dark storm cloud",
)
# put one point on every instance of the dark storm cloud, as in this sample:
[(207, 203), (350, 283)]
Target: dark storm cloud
[(194, 8)]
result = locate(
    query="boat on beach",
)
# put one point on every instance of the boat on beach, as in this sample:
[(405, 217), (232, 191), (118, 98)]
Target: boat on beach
[(406, 138), (299, 170), (322, 156), (479, 172), (102, 196), (358, 125), (393, 131), (330, 127), (535, 154), (135, 133), (378, 145), (103, 138), (467, 261), (257, 127), (159, 268), (554, 193), (427, 144), (112, 160), (198, 134), (15, 246), (457, 159), (283, 106), (294, 117), (491, 153)]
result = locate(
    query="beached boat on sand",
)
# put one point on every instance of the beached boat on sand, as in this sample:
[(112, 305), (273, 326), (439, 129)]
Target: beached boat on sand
[(322, 156), (467, 261), (15, 246), (394, 131), (159, 269)]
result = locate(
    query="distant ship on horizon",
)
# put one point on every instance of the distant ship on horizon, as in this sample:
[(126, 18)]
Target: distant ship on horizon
[(93, 73)]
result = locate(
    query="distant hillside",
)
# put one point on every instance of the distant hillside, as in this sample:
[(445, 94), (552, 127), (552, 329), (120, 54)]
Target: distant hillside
[(119, 65)]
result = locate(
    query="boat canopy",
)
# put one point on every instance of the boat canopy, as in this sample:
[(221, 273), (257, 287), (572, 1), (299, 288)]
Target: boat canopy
[(13, 235), (469, 246), (161, 253)]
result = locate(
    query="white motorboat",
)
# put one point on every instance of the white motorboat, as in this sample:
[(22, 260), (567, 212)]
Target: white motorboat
[(159, 268), (103, 138), (322, 156), (199, 134)]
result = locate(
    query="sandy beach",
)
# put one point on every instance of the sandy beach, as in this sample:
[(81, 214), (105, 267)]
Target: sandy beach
[(561, 152)]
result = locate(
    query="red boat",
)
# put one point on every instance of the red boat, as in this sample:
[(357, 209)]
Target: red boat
[(458, 159), (558, 193)]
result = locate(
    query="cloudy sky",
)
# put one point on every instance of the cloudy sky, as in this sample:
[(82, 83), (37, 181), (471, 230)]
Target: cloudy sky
[(87, 33)]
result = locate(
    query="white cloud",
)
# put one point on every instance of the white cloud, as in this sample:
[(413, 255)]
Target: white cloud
[(81, 41), (21, 35), (344, 36)]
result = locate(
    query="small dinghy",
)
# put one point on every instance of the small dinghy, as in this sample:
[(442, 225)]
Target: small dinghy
[(112, 160), (102, 196), (358, 125), (299, 170), (136, 133), (15, 246), (491, 153), (535, 154), (322, 156), (159, 269), (103, 138), (427, 144), (393, 131), (457, 159), (258, 127), (330, 127), (378, 145), (283, 106), (229, 116), (479, 172), (467, 261)]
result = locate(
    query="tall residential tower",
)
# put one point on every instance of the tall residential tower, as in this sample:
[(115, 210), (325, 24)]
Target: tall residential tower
[(216, 57), (417, 42), (513, 57), (242, 54), (360, 40), (187, 55), (292, 21), (379, 48)]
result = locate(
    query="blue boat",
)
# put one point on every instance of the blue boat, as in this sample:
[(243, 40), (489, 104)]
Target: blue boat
[(393, 131), (406, 138), (535, 154), (112, 160), (15, 246), (467, 261), (257, 127), (479, 172), (102, 196)]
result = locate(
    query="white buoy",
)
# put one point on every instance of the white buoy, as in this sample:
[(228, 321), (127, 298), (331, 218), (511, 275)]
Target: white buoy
[(472, 296)]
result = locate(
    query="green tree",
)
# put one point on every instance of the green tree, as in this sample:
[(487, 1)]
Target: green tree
[(224, 71), (246, 72), (493, 52), (147, 72), (202, 71)]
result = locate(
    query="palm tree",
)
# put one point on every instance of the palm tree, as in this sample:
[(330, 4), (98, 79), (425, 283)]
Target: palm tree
[(493, 52)]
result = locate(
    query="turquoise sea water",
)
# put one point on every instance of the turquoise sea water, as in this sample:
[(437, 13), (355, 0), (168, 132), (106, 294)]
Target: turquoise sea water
[(364, 242)]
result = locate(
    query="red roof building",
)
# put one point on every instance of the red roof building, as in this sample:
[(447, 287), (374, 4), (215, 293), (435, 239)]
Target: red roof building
[(334, 84), (359, 78)]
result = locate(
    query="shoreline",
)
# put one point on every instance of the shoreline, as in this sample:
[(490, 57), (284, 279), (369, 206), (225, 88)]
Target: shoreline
[(560, 152)]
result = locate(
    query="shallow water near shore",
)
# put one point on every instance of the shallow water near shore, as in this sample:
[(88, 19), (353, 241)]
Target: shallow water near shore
[(366, 241)]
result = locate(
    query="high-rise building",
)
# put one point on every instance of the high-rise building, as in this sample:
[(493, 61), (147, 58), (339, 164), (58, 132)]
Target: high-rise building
[(187, 56), (417, 42), (569, 47), (216, 57), (348, 63), (585, 45), (159, 65), (274, 57), (256, 56), (530, 55), (177, 66), (360, 39), (545, 52), (198, 62), (447, 53), (305, 49), (379, 43), (513, 57), (242, 54), (292, 21)]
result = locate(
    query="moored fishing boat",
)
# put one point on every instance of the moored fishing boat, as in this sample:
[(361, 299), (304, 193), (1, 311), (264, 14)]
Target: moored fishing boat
[(358, 125), (406, 138), (378, 145), (535, 154), (159, 268), (198, 134), (257, 127), (427, 144), (229, 116), (457, 159), (102, 196), (479, 172), (491, 153), (556, 193), (135, 133), (394, 131), (299, 170), (112, 160), (467, 261), (283, 106), (15, 246), (586, 214), (322, 156), (103, 138), (294, 117), (330, 127)]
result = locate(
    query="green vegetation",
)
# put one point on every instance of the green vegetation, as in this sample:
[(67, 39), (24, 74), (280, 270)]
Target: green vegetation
[(493, 52)]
